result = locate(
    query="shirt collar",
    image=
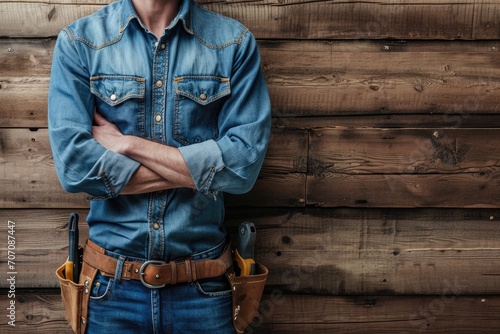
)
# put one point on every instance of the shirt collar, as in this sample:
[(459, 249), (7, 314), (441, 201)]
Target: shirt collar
[(128, 13)]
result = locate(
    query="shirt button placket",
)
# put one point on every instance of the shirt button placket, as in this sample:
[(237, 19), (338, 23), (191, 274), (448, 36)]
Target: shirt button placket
[(158, 201)]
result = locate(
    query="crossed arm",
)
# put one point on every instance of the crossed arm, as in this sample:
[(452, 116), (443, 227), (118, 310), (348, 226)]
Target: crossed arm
[(162, 167)]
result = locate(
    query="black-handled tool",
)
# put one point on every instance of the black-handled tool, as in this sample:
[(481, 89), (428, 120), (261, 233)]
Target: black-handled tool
[(244, 253), (73, 264)]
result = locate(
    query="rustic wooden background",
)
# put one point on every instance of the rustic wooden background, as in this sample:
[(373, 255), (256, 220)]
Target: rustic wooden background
[(378, 208)]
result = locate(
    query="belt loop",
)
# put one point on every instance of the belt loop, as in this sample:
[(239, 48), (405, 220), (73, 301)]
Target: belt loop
[(174, 272), (119, 269), (187, 265), (192, 264)]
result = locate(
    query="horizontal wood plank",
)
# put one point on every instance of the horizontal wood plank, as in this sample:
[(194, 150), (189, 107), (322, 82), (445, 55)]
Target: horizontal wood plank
[(391, 168), (41, 244), (377, 105), (446, 313), (273, 190), (347, 251), (318, 251), (41, 311), (316, 79), (451, 167), (28, 178), (404, 190), (369, 78), (297, 19), (404, 151), (24, 81), (392, 121)]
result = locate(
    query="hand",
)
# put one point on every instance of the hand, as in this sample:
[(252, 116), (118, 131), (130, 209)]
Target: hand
[(107, 134)]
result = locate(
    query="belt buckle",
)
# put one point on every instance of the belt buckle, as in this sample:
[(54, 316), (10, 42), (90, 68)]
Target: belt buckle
[(141, 274)]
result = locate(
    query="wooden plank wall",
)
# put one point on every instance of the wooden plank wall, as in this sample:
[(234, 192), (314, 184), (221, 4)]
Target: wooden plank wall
[(378, 207)]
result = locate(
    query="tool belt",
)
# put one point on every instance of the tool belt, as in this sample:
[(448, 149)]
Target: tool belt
[(246, 291)]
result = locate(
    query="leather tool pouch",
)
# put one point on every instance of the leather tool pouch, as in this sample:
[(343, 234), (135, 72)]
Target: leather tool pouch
[(246, 292), (76, 296)]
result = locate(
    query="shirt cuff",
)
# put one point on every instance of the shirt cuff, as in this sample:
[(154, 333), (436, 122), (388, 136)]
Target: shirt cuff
[(115, 170), (203, 160)]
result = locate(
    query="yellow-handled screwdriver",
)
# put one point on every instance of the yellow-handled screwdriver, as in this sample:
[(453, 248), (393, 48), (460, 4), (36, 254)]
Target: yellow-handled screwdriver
[(244, 254)]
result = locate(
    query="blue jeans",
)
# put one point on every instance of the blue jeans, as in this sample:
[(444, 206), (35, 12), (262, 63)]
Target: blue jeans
[(127, 306)]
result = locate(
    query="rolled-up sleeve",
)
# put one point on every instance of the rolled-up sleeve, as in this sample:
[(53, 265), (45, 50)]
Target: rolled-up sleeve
[(82, 164), (232, 162)]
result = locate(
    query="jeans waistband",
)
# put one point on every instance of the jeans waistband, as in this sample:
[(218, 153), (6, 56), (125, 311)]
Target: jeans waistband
[(211, 253)]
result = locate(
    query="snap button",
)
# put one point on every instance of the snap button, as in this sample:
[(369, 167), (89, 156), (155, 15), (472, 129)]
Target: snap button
[(159, 83), (113, 97), (158, 118), (163, 46), (203, 96), (156, 226)]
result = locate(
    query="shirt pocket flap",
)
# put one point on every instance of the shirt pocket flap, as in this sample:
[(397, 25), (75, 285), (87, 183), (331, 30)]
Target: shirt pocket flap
[(116, 89), (202, 89)]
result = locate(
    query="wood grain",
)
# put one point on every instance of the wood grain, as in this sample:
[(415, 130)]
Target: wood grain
[(454, 79), (41, 312), (404, 190), (404, 151), (361, 251), (377, 208), (29, 179), (343, 78), (298, 19), (345, 167), (318, 251)]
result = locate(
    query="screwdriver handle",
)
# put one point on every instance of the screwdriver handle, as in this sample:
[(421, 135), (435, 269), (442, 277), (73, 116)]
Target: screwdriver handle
[(244, 253)]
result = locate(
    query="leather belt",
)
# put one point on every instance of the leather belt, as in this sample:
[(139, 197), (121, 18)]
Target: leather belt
[(156, 274)]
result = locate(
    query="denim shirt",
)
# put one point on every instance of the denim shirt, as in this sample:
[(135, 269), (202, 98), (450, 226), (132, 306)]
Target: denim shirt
[(198, 88)]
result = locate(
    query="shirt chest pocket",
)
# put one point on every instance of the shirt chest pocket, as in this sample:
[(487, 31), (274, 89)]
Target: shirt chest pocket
[(198, 100), (120, 99)]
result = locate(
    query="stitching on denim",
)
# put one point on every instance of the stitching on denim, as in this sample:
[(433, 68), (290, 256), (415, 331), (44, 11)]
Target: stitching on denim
[(141, 123), (150, 216), (115, 76), (130, 18), (97, 198), (99, 78), (218, 46), (213, 46), (223, 80), (160, 94), (208, 182), (108, 184), (178, 92), (70, 34), (100, 46)]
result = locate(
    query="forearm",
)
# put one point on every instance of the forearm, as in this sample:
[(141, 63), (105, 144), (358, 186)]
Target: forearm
[(145, 180), (162, 166), (164, 161)]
